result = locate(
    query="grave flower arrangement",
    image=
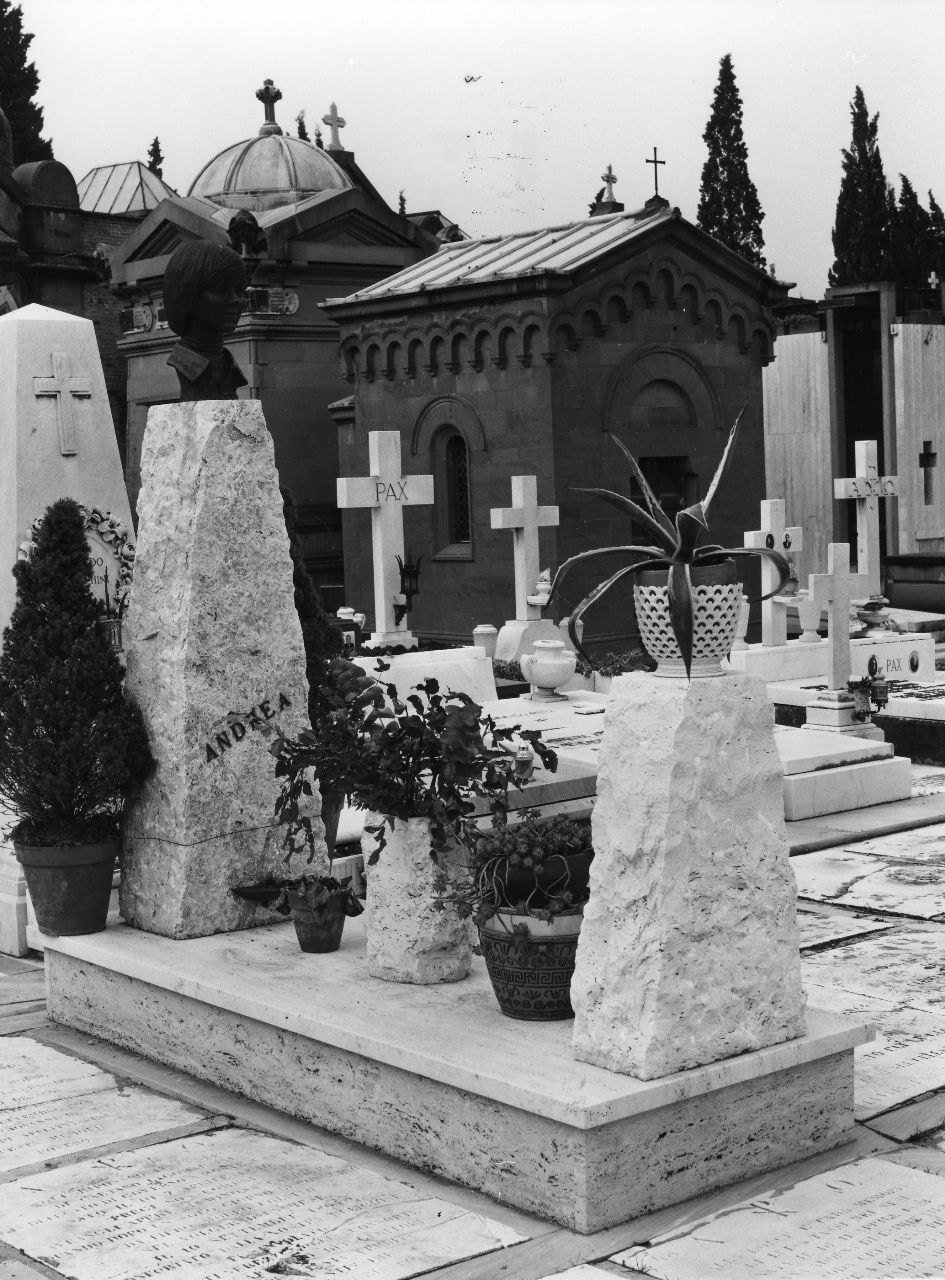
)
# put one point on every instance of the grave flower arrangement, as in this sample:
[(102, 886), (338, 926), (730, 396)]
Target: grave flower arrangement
[(72, 748), (675, 550)]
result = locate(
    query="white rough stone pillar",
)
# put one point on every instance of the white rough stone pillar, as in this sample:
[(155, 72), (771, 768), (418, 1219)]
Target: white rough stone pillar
[(409, 939), (689, 947), (211, 630)]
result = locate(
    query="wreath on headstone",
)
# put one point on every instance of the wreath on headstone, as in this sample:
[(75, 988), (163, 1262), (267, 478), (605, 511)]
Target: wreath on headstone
[(116, 534)]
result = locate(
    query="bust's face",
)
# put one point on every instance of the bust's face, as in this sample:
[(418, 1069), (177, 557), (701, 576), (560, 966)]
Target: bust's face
[(217, 310)]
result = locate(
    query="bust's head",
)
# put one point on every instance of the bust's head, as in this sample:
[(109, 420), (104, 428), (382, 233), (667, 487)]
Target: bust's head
[(204, 287)]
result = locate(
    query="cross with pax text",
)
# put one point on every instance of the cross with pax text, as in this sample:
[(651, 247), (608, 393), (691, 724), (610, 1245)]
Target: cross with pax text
[(524, 518), (64, 388), (835, 590), (386, 492), (866, 486)]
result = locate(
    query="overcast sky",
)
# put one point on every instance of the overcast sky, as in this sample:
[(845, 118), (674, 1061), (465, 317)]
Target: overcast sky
[(504, 113)]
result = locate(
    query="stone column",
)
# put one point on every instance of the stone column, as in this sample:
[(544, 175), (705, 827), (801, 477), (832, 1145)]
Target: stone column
[(215, 654), (689, 947)]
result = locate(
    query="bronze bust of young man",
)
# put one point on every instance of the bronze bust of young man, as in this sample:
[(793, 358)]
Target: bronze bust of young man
[(204, 286)]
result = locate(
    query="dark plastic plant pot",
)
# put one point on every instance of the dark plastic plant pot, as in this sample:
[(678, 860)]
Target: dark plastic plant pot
[(531, 976), (319, 929), (69, 885), (536, 884)]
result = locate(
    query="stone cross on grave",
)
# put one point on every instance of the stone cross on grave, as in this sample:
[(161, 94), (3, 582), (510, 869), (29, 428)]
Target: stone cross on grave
[(334, 122), (64, 387), (789, 542), (834, 590), (386, 492), (525, 517), (866, 487)]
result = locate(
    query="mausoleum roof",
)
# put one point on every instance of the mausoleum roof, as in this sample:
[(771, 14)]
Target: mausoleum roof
[(556, 249), (270, 170), (122, 189)]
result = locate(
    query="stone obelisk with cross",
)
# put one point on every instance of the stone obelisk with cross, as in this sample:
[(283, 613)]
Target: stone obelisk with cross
[(866, 488), (57, 440), (386, 491), (524, 518)]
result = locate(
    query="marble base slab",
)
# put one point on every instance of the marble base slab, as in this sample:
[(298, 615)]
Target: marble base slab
[(439, 1078), (237, 1205), (853, 878), (873, 1219), (895, 656), (853, 786)]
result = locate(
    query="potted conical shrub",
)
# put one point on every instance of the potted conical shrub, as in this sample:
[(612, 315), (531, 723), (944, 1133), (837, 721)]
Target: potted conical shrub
[(71, 746)]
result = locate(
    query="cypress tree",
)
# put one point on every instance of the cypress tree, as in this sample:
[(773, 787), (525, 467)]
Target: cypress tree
[(301, 128), (911, 247), (865, 206), (71, 747), (936, 238), (19, 81), (729, 208), (156, 158), (322, 641)]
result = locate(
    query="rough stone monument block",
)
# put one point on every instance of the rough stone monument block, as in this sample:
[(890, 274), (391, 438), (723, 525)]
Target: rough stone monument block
[(211, 633), (689, 947)]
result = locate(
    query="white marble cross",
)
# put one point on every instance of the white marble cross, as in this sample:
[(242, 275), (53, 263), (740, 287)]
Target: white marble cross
[(334, 122), (64, 387), (775, 537), (386, 492), (525, 517), (866, 487), (834, 590)]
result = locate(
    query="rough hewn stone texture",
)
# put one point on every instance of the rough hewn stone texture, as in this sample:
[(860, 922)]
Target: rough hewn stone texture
[(211, 630), (409, 939), (689, 948)]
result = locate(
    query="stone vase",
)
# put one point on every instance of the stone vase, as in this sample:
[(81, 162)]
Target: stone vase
[(409, 939)]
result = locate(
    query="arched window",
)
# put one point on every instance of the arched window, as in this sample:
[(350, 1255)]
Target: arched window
[(452, 502)]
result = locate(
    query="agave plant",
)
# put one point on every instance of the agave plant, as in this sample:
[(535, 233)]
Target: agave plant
[(677, 550)]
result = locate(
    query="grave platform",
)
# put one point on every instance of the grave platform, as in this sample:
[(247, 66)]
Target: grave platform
[(438, 1078)]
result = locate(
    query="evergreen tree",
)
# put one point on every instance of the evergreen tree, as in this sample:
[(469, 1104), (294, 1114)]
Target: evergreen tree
[(865, 207), (19, 81), (911, 240), (300, 127), (322, 641), (729, 208), (71, 747), (156, 158)]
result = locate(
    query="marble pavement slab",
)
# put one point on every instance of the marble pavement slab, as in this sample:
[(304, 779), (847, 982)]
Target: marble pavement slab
[(855, 879), (818, 927), (237, 1204), (923, 844), (32, 1073), (906, 967), (905, 1061), (872, 1219), (581, 1272)]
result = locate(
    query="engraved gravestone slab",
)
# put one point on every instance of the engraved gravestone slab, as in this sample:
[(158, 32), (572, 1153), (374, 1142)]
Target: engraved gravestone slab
[(906, 967), (856, 879), (31, 1073), (72, 1126), (237, 1204), (906, 1059), (869, 1219), (927, 845)]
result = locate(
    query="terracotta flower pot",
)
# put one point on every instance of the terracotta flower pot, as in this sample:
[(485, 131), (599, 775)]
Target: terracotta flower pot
[(319, 928), (717, 600), (69, 885)]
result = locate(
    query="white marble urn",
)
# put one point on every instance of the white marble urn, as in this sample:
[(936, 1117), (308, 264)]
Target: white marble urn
[(550, 665)]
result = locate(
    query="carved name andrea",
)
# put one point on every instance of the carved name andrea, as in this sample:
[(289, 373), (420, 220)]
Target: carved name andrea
[(235, 732)]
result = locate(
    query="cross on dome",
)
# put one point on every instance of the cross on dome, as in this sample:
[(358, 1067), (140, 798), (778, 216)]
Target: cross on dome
[(269, 95), (334, 122), (656, 173), (609, 177)]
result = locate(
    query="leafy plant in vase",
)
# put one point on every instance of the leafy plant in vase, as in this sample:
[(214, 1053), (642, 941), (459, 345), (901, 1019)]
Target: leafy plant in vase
[(72, 748), (687, 596), (419, 766), (524, 887)]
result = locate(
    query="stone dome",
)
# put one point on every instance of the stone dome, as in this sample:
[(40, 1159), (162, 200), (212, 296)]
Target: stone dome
[(268, 171)]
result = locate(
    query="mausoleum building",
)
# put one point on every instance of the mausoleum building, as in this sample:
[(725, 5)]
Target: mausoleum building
[(520, 355), (321, 229)]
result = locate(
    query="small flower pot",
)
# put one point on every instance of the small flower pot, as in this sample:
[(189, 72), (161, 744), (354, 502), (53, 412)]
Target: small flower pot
[(70, 886), (531, 962), (319, 929)]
